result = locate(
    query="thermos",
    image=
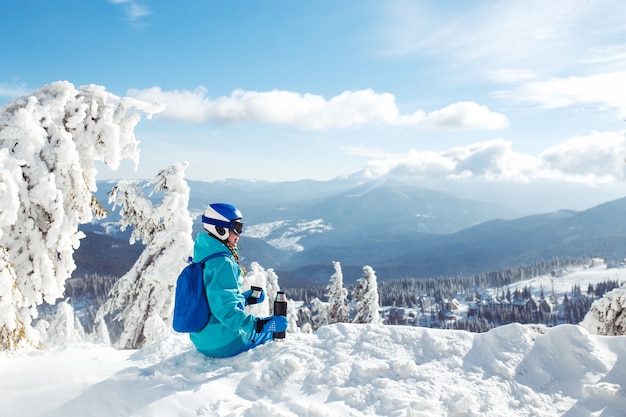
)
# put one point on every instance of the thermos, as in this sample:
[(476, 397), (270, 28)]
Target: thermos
[(280, 309)]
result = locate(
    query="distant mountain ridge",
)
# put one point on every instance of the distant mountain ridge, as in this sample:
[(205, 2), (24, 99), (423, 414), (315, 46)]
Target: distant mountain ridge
[(401, 230), (499, 244)]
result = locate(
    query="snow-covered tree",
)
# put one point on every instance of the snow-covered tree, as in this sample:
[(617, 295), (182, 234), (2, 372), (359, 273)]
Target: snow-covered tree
[(306, 328), (13, 331), (366, 298), (257, 276), (142, 300), (319, 313), (338, 308), (271, 288), (65, 328), (100, 334), (607, 316), (268, 280), (292, 317), (305, 319), (50, 141)]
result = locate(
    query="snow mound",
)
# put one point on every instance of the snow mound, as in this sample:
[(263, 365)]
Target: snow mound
[(341, 370)]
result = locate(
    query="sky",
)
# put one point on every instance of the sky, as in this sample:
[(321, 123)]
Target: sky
[(488, 90), (340, 370)]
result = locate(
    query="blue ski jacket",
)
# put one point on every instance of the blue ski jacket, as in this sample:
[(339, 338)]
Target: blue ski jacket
[(230, 329)]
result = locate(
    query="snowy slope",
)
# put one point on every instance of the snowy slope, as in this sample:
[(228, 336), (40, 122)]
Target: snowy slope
[(341, 370), (573, 275)]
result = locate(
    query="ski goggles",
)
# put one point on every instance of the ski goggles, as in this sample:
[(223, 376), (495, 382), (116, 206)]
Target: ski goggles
[(235, 225)]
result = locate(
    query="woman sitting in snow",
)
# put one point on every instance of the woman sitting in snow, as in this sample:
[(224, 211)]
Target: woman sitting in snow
[(230, 329)]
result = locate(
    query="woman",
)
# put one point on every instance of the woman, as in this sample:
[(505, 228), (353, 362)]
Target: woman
[(230, 329)]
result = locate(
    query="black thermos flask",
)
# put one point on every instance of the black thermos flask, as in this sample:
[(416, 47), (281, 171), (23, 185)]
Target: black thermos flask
[(280, 309)]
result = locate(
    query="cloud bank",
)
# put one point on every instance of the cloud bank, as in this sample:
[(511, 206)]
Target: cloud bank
[(350, 109), (594, 159), (607, 90)]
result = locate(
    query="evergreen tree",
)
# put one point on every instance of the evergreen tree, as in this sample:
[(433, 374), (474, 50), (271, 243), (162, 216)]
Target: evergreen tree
[(257, 276), (305, 319), (292, 317), (272, 288), (607, 316), (142, 300), (100, 334), (50, 141), (366, 298), (65, 328), (319, 314), (338, 308)]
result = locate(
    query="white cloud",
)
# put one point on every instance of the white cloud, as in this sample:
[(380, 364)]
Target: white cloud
[(607, 54), (607, 90), (133, 10), (492, 159), (136, 11), (466, 115), (598, 157), (594, 159), (484, 33), (532, 35), (12, 90), (511, 75), (350, 109)]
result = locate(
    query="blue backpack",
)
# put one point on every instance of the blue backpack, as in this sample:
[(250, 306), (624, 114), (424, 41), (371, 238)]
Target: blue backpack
[(191, 307)]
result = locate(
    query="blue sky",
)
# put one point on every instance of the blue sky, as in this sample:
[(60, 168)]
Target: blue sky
[(510, 91)]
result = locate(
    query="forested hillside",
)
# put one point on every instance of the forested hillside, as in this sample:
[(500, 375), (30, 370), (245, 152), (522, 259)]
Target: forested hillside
[(475, 303)]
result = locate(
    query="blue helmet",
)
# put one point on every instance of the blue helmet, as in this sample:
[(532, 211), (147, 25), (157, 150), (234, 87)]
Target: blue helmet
[(221, 219)]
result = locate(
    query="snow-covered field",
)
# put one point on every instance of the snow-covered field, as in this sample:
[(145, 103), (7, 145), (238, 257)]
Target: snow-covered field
[(340, 370), (573, 275)]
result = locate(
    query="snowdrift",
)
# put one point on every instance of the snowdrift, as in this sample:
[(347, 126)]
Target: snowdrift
[(341, 370)]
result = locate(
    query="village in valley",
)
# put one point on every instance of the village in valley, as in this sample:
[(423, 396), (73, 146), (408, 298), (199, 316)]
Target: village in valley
[(558, 291), (562, 296)]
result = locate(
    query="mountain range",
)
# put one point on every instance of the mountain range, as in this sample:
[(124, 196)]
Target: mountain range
[(398, 228)]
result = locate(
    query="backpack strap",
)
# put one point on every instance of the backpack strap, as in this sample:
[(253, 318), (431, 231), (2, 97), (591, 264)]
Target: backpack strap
[(213, 255)]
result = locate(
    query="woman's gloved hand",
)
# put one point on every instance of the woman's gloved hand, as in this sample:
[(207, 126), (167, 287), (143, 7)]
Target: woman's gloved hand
[(255, 295), (272, 324)]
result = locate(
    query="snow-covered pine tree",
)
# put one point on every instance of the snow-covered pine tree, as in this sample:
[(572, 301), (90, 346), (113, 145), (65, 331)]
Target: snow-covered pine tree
[(319, 313), (292, 317), (607, 315), (142, 300), (257, 276), (271, 288), (366, 298), (50, 141), (100, 334), (306, 328), (65, 328), (338, 308)]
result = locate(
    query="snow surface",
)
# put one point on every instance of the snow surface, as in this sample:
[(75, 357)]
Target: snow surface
[(572, 275), (340, 370)]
